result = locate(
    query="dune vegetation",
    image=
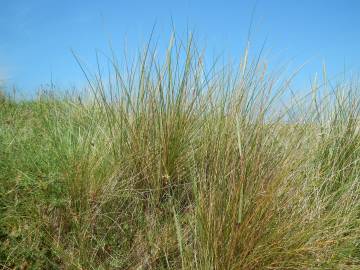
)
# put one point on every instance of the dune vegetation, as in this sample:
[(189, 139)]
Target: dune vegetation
[(169, 164)]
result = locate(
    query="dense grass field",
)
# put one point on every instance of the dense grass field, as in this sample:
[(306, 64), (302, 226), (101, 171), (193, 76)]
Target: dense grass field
[(173, 165)]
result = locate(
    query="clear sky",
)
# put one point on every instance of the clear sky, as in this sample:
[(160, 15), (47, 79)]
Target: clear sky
[(36, 36)]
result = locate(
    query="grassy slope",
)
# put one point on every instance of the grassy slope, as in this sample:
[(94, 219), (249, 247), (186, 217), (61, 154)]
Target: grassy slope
[(180, 170)]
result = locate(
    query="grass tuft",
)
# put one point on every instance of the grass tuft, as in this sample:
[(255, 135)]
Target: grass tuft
[(173, 165)]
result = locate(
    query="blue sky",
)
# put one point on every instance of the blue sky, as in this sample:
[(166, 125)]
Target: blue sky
[(36, 37)]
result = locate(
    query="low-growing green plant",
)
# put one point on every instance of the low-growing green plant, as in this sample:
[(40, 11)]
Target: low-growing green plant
[(175, 165)]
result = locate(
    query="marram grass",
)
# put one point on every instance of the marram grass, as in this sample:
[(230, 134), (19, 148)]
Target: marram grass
[(171, 165)]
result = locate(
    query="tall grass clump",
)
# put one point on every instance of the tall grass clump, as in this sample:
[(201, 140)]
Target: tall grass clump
[(170, 164)]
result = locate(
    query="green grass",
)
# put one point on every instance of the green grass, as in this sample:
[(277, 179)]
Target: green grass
[(171, 165)]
